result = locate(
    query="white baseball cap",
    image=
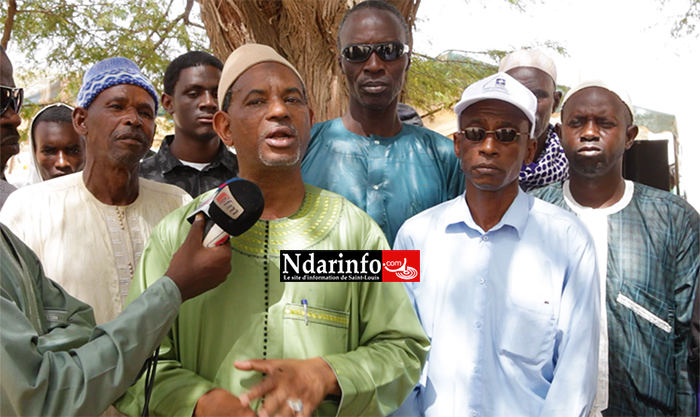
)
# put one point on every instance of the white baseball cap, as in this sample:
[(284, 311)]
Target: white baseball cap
[(503, 87)]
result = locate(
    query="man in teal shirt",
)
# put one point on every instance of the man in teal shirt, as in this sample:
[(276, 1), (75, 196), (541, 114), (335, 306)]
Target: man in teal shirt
[(391, 170), (358, 349)]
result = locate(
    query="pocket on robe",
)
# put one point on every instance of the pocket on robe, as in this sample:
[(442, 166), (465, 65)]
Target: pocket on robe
[(315, 332), (645, 322)]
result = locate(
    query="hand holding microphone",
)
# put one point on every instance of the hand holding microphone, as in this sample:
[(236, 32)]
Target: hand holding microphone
[(232, 210)]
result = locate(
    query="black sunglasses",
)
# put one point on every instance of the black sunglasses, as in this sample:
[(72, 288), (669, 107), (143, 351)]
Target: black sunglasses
[(388, 51), (11, 96), (503, 135)]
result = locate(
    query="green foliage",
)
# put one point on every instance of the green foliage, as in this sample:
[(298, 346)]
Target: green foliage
[(69, 36), (686, 25), (436, 83)]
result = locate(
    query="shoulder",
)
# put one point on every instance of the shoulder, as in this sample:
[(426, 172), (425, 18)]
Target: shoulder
[(155, 189), (652, 201), (660, 197), (149, 164), (549, 193), (51, 189), (360, 222), (174, 226), (556, 224), (434, 219), (428, 136), (325, 127), (331, 199)]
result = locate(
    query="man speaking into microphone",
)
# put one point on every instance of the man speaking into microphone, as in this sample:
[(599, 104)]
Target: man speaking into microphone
[(360, 348)]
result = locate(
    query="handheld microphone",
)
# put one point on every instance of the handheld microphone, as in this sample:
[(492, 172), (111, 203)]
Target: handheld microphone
[(231, 211)]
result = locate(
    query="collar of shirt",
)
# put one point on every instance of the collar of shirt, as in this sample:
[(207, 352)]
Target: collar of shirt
[(458, 215), (583, 211), (168, 161)]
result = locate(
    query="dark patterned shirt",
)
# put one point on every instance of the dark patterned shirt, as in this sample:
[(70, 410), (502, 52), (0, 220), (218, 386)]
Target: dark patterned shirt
[(164, 167), (654, 261), (550, 167)]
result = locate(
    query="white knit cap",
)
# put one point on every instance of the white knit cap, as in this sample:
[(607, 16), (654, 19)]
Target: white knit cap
[(615, 89), (529, 58)]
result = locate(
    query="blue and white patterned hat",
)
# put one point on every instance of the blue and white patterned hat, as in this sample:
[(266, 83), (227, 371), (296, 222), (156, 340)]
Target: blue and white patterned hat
[(108, 73)]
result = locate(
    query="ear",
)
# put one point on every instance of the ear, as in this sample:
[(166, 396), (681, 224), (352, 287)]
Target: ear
[(222, 127), (311, 116), (557, 100), (457, 144), (167, 101), (80, 121), (631, 133), (557, 129), (530, 150)]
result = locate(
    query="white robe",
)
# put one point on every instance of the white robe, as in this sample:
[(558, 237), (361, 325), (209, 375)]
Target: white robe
[(91, 249)]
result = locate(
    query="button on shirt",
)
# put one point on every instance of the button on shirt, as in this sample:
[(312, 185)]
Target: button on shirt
[(512, 313), (391, 179)]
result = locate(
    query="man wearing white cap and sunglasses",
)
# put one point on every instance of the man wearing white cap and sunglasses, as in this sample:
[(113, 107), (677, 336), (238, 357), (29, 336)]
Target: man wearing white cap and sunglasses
[(648, 244), (509, 291)]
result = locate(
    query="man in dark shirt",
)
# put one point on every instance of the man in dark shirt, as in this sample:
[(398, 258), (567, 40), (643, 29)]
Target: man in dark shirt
[(194, 158)]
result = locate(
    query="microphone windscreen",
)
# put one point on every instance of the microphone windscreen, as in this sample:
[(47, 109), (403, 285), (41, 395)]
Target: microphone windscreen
[(236, 206)]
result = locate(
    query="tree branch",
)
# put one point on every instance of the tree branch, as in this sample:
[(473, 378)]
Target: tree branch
[(184, 17), (9, 22)]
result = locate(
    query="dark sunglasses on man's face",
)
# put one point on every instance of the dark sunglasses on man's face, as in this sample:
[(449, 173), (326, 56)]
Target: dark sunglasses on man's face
[(503, 135), (11, 97), (388, 51)]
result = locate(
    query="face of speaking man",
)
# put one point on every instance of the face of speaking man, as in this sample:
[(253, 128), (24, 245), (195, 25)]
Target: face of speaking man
[(268, 120)]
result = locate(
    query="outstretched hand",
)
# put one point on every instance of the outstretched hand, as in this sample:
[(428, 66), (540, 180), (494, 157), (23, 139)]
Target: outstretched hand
[(309, 381), (196, 269)]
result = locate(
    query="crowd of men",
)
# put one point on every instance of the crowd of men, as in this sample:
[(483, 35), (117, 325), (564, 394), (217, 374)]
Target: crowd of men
[(549, 284)]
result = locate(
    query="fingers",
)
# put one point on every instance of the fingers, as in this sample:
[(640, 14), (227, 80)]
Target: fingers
[(258, 390), (258, 365), (275, 404), (197, 230)]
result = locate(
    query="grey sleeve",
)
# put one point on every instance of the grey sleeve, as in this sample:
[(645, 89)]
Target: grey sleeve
[(84, 380)]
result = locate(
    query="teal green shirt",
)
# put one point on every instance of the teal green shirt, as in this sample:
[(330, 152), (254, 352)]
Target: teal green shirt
[(367, 332)]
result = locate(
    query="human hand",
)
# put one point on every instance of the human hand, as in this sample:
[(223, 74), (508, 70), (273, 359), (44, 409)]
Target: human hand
[(196, 269), (220, 402), (308, 381)]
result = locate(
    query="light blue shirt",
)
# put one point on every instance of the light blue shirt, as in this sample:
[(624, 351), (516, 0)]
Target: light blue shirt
[(512, 313)]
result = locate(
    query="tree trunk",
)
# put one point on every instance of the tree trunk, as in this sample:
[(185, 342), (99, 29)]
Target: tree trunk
[(302, 31)]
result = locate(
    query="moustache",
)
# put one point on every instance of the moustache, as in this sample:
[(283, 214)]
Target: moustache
[(284, 129), (138, 135)]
